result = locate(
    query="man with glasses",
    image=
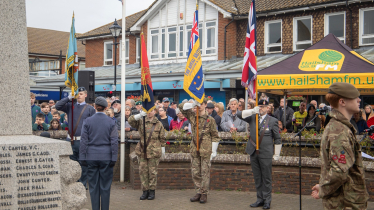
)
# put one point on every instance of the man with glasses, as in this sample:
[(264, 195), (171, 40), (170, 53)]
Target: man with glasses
[(51, 103), (261, 160)]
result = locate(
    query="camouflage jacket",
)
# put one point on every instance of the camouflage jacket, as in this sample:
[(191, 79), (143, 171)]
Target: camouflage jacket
[(157, 140), (210, 134), (342, 173)]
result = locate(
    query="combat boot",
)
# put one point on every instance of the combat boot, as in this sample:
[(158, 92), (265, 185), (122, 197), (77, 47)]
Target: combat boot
[(195, 198), (203, 198), (145, 195), (152, 194)]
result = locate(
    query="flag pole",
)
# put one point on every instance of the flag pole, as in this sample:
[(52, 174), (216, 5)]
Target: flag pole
[(246, 104), (197, 108), (123, 92)]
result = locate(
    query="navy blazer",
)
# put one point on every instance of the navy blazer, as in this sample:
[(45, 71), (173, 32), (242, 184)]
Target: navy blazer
[(99, 138)]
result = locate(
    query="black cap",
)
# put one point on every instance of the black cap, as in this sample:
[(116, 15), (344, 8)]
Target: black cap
[(172, 103), (263, 102), (80, 89), (116, 102), (210, 106)]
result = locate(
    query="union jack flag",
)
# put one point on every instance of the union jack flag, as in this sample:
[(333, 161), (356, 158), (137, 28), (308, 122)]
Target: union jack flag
[(194, 32), (249, 73)]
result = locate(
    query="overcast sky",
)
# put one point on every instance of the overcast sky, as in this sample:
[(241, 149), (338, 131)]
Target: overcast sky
[(89, 14)]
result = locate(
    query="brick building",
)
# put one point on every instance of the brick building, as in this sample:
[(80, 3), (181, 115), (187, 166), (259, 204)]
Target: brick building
[(283, 29)]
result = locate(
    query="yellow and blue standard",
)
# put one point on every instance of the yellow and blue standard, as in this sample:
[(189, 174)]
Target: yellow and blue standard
[(193, 76)]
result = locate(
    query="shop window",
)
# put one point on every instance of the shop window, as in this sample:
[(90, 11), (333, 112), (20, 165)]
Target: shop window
[(273, 36), (108, 53), (302, 37), (367, 26), (335, 24)]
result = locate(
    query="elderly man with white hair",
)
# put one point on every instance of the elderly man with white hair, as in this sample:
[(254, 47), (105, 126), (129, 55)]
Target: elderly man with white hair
[(230, 122)]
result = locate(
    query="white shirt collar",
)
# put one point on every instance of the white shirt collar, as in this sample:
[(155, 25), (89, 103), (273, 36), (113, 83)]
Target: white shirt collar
[(262, 118), (83, 103)]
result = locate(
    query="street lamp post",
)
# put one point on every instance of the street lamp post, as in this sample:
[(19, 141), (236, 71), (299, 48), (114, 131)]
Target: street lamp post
[(115, 29)]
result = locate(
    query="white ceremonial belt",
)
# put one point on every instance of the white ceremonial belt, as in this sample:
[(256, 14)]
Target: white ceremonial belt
[(76, 138)]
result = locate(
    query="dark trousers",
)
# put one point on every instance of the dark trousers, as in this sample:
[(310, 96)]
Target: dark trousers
[(100, 176), (75, 156), (261, 168)]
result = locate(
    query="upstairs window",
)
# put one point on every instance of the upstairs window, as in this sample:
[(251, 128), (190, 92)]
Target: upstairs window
[(367, 26), (108, 53), (154, 46), (138, 50), (335, 24), (273, 36), (302, 33)]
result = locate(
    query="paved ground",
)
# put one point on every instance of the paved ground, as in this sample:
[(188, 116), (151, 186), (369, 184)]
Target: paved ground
[(124, 197)]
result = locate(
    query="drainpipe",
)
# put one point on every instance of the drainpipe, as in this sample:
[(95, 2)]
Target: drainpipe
[(350, 14), (224, 47)]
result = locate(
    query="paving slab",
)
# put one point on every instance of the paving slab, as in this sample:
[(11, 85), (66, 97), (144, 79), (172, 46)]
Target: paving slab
[(124, 197)]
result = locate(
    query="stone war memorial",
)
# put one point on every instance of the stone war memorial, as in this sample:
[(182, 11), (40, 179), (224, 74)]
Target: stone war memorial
[(35, 172)]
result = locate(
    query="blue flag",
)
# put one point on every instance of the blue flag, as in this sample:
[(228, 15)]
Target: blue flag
[(193, 82), (71, 69)]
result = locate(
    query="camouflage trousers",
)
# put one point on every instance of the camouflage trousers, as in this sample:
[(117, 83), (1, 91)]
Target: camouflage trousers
[(200, 168), (148, 173), (339, 203)]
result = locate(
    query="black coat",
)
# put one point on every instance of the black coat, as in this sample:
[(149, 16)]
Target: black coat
[(217, 118)]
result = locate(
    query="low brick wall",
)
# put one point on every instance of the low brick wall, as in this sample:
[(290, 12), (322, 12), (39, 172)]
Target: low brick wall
[(233, 172)]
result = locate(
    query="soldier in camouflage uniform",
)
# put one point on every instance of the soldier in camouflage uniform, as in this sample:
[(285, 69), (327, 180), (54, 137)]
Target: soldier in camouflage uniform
[(155, 149), (208, 141), (342, 182)]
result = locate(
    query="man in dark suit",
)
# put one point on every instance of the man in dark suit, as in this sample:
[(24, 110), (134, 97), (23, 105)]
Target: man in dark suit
[(261, 160), (99, 150)]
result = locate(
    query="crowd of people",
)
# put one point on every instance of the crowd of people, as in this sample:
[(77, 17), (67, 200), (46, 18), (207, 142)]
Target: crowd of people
[(45, 116)]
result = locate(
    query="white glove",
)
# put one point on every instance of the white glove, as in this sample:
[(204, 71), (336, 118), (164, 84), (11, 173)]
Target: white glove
[(249, 112), (140, 115), (195, 103), (214, 150), (277, 152), (70, 96), (187, 106), (163, 152)]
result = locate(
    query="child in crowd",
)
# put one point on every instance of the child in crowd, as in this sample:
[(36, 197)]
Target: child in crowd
[(110, 114), (55, 125), (45, 110), (39, 124), (64, 124)]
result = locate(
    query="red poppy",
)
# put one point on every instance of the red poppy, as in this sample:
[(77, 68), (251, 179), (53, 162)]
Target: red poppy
[(168, 143), (315, 134), (110, 92), (66, 128), (189, 133), (208, 120)]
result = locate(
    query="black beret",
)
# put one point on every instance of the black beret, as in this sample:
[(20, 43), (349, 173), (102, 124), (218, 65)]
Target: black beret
[(263, 102), (210, 105), (80, 89), (116, 102)]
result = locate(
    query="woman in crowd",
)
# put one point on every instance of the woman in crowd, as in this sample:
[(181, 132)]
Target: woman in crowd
[(163, 118), (316, 124), (178, 121), (368, 113), (241, 106), (127, 116), (55, 125), (219, 109), (250, 105), (360, 122)]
